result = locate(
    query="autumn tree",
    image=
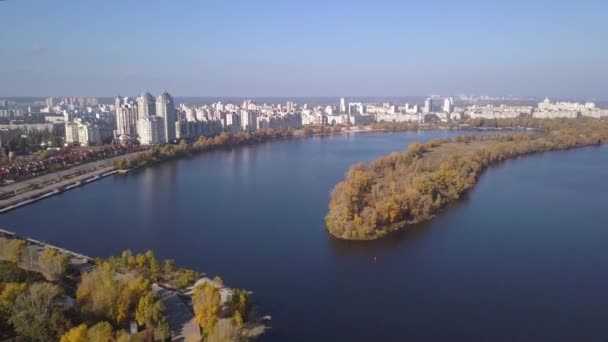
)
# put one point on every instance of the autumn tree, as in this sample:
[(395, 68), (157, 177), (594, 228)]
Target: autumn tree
[(103, 295), (150, 313), (76, 334), (11, 249), (206, 301), (241, 303), (33, 310), (52, 263), (101, 332)]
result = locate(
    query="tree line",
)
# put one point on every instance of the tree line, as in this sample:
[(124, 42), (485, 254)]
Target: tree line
[(223, 140)]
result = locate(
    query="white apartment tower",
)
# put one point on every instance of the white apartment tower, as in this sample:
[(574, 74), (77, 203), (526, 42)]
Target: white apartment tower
[(84, 134), (151, 130), (145, 105), (249, 120), (126, 117), (428, 106), (448, 105), (342, 106), (165, 108)]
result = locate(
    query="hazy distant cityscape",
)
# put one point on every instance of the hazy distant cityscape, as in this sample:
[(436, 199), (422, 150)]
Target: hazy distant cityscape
[(150, 120)]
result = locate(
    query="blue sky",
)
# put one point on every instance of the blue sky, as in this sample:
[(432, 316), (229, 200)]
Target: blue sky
[(303, 48)]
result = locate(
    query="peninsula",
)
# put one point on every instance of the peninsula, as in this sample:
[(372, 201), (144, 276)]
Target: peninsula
[(401, 189)]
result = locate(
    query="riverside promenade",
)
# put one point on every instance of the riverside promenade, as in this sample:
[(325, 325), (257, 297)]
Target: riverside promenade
[(181, 318), (13, 196)]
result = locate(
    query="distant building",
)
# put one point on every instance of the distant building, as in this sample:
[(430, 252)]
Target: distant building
[(151, 130), (50, 102), (290, 107), (145, 106), (500, 112), (342, 106), (126, 117), (448, 105), (195, 129), (165, 108), (428, 106), (249, 120), (355, 108), (548, 109), (232, 120), (84, 134), (292, 120)]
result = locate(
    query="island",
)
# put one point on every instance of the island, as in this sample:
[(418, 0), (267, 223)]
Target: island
[(401, 189)]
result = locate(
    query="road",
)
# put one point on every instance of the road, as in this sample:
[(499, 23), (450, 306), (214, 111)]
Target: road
[(38, 186)]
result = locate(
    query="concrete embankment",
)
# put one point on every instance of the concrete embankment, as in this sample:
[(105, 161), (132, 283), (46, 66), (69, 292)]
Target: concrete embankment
[(34, 195), (27, 191)]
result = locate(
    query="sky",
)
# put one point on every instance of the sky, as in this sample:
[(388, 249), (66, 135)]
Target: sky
[(304, 48)]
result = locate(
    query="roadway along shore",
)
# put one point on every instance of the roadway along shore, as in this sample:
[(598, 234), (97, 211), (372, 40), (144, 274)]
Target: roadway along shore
[(35, 189)]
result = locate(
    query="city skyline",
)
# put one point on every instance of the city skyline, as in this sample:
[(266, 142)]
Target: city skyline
[(304, 50)]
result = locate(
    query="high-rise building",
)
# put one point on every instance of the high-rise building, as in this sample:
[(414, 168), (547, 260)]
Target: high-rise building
[(50, 102), (448, 105), (249, 120), (428, 106), (165, 108), (355, 108), (145, 106), (290, 107), (190, 113), (233, 119), (82, 133), (126, 117), (151, 130), (342, 106)]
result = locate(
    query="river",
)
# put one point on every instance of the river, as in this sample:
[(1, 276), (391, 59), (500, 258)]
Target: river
[(522, 257)]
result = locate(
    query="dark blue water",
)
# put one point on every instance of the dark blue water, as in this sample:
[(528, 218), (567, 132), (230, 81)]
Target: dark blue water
[(523, 257)]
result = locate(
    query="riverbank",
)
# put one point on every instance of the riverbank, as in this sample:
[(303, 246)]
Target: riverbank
[(21, 193), (399, 190), (35, 195), (157, 290), (35, 189)]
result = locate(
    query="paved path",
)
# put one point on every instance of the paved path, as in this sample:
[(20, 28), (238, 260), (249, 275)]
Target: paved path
[(47, 183), (181, 319)]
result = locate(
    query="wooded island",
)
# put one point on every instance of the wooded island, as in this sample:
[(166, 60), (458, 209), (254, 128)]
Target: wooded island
[(401, 189)]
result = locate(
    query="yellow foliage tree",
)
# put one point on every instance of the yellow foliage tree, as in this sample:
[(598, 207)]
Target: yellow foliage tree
[(206, 301), (76, 334)]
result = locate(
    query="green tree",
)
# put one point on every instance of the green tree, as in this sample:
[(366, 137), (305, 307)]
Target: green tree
[(33, 310)]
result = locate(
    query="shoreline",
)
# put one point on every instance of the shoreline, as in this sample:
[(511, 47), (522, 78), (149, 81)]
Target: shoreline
[(35, 195)]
